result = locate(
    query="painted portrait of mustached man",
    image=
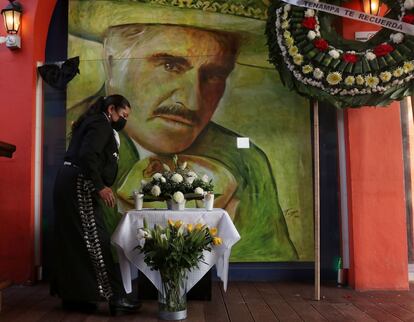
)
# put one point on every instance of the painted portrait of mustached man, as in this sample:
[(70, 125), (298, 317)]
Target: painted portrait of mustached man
[(197, 76)]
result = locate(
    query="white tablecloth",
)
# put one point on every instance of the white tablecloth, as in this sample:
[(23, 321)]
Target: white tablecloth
[(125, 240)]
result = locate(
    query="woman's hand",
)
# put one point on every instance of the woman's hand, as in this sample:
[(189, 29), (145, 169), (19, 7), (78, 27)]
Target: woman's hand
[(107, 196)]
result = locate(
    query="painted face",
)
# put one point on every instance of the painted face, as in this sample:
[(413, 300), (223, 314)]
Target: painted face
[(175, 80)]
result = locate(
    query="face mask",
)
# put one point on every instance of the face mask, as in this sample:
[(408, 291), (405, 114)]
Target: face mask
[(119, 125)]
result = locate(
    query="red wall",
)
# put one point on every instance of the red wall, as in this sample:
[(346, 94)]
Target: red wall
[(378, 231), (17, 92)]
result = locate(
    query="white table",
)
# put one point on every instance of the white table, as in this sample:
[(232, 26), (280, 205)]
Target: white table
[(125, 240)]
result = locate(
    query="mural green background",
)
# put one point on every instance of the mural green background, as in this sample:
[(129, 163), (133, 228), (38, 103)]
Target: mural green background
[(255, 105)]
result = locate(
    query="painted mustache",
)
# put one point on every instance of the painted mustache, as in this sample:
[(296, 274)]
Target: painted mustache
[(177, 112)]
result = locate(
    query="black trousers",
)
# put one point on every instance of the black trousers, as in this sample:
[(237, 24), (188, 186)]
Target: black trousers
[(83, 267)]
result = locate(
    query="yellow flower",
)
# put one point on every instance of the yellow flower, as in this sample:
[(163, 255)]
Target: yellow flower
[(178, 223), (307, 69), (334, 78), (199, 226), (170, 222), (213, 231), (371, 81), (385, 76), (293, 50), (350, 80), (217, 241), (408, 67), (289, 42), (360, 80), (190, 228), (398, 72), (285, 24), (298, 59), (287, 34)]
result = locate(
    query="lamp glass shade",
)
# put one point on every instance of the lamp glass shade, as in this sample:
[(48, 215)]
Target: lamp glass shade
[(371, 7), (11, 20)]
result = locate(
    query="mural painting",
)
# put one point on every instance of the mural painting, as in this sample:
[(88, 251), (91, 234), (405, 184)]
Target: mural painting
[(197, 76)]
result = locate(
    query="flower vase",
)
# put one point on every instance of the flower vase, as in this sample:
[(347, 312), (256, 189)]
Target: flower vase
[(209, 201), (173, 205), (172, 298)]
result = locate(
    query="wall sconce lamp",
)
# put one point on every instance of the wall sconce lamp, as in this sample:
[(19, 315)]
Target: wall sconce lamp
[(371, 7), (12, 15)]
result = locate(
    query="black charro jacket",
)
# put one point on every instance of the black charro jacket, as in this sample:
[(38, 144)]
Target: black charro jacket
[(94, 150)]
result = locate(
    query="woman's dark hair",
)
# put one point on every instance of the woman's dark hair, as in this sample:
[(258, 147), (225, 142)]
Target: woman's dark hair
[(100, 106)]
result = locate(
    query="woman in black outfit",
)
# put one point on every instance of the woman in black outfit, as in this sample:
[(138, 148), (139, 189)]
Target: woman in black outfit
[(84, 269)]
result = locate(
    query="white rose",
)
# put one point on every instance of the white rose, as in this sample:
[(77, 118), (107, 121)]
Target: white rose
[(163, 179), (317, 73), (178, 197), (155, 191), (397, 38), (370, 55), (311, 35), (157, 176), (309, 13), (199, 190), (190, 180), (177, 178), (409, 4), (192, 174), (334, 54), (204, 178)]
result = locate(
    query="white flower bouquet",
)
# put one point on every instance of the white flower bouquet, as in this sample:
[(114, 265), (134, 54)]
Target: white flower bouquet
[(178, 184)]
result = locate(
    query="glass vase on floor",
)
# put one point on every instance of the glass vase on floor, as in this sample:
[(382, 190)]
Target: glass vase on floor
[(172, 298)]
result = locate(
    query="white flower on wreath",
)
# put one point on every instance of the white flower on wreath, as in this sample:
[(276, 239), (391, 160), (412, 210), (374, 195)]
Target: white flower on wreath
[(155, 190), (177, 178), (409, 4), (285, 15), (370, 55), (311, 35), (334, 54), (350, 80), (163, 180), (385, 77), (285, 24), (298, 59), (307, 69), (309, 13), (360, 80), (398, 72), (397, 38), (334, 78), (287, 34), (408, 67), (157, 176), (318, 74), (371, 81), (293, 51), (178, 197), (199, 190), (287, 8)]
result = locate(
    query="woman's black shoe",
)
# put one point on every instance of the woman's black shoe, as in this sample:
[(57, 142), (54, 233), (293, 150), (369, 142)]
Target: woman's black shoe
[(80, 306), (123, 305)]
